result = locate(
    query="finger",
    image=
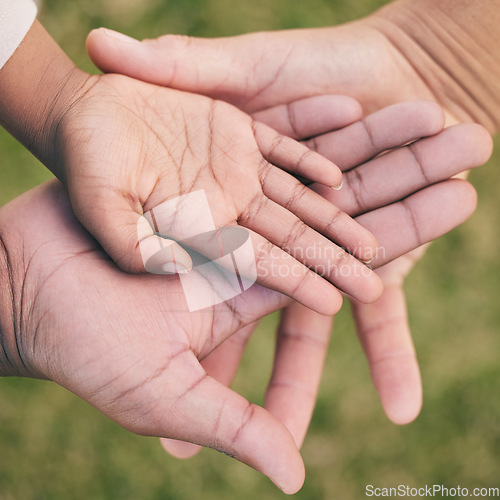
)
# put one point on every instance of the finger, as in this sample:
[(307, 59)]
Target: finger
[(212, 67), (180, 449), (302, 246), (243, 261), (311, 116), (294, 157), (302, 343), (385, 335), (386, 129), (280, 271), (397, 174), (196, 408), (161, 255), (221, 364), (320, 215), (420, 218), (128, 239)]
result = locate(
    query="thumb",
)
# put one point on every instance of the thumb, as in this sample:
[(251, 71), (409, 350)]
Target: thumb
[(222, 68), (210, 414), (161, 255), (128, 238)]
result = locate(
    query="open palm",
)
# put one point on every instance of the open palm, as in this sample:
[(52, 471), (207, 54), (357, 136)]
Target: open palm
[(128, 146)]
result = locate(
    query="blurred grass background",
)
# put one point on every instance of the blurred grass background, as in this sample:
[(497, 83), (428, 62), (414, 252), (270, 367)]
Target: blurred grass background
[(54, 446)]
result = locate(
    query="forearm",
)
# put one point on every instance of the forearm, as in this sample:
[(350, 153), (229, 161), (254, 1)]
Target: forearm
[(452, 44), (37, 84)]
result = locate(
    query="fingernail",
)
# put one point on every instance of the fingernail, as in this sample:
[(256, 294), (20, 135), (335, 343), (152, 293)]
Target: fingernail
[(115, 35), (174, 268), (368, 261), (338, 187)]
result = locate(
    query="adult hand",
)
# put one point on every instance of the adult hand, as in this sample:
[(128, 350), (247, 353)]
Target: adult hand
[(372, 192), (127, 344), (258, 70)]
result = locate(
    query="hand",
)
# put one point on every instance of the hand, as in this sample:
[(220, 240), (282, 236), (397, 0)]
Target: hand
[(356, 60), (127, 343), (383, 325), (128, 146), (402, 52), (372, 193), (370, 60)]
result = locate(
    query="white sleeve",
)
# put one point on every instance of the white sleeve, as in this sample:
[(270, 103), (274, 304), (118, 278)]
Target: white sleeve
[(16, 18)]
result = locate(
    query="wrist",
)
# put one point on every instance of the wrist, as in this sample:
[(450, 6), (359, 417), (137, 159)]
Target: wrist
[(38, 85), (18, 297), (9, 363), (450, 54)]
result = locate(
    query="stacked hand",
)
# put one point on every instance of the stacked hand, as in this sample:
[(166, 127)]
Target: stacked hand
[(155, 368), (122, 146), (373, 60)]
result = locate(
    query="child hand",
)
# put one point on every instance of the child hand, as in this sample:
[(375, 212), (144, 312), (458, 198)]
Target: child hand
[(126, 147)]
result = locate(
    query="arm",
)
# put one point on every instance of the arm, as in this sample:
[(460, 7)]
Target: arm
[(37, 86)]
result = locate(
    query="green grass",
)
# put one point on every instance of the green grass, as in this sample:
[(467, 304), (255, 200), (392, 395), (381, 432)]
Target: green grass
[(55, 446)]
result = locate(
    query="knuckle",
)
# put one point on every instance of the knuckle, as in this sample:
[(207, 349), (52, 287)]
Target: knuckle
[(296, 233), (251, 210), (263, 252), (355, 182)]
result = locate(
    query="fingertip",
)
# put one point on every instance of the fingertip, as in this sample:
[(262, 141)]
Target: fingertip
[(487, 142), (319, 169), (99, 47), (374, 290), (114, 52), (324, 171), (319, 295), (471, 195), (400, 388), (95, 34), (479, 142), (404, 407), (368, 249), (465, 197), (295, 481), (180, 449), (93, 44), (427, 116), (349, 108), (116, 36), (338, 180), (434, 116), (327, 113), (168, 257), (329, 302)]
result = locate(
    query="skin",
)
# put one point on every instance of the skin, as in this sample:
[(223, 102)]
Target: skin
[(142, 358), (411, 49), (123, 147), (279, 461)]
